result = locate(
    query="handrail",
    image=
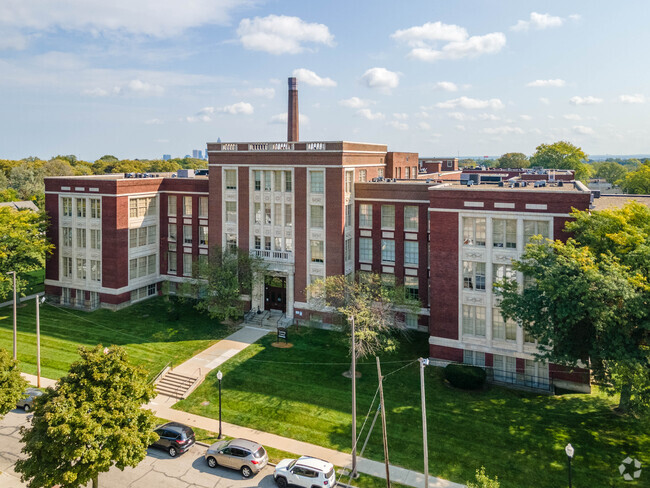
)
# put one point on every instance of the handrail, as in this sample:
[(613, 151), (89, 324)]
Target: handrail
[(169, 364)]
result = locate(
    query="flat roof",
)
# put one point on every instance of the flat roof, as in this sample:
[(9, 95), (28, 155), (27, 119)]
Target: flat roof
[(567, 187), (611, 201), (120, 176)]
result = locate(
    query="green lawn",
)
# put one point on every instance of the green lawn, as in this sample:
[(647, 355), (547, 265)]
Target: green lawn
[(300, 393), (151, 335)]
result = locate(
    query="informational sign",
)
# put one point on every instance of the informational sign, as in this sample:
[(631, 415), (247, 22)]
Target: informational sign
[(282, 334)]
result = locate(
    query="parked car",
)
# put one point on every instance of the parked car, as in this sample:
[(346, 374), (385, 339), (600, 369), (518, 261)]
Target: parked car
[(243, 455), (175, 438), (27, 403), (307, 472)]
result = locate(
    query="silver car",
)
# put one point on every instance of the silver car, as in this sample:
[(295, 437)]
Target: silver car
[(246, 456), (27, 403)]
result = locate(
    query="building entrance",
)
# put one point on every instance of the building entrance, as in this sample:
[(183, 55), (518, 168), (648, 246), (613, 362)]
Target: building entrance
[(275, 293)]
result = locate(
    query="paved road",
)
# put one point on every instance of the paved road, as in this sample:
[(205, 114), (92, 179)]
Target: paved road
[(156, 470)]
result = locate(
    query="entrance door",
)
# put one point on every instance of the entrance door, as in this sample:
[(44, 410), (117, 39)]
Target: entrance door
[(275, 293)]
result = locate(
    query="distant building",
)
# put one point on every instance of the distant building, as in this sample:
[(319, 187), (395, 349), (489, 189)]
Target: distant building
[(197, 154), (167, 157), (22, 205)]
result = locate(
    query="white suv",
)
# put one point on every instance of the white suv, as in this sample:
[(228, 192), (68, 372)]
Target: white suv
[(307, 472)]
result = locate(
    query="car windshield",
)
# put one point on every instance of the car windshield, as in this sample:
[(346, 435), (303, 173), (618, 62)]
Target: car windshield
[(329, 474), (259, 453), (291, 464)]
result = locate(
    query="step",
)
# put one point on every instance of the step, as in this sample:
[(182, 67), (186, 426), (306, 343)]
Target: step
[(171, 374), (177, 381)]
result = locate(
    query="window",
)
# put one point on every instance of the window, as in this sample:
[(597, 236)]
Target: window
[(387, 251), (203, 235), (277, 214), (474, 358), (407, 173), (504, 368), (348, 215), (231, 212), (81, 207), (171, 232), (388, 280), (287, 182), (349, 177), (277, 243), (277, 181), (411, 253), (142, 236), (267, 180), (504, 233), (474, 231), (187, 234), (267, 243), (414, 172), (142, 266), (365, 250), (231, 179), (257, 210), (142, 207), (187, 206), (171, 205), (231, 241), (535, 227), (287, 215), (81, 269), (203, 207), (411, 320), (473, 276), (67, 267), (95, 270), (317, 251), (95, 208), (380, 172), (363, 175), (66, 239), (473, 320), (133, 238), (151, 234), (505, 330), (171, 262), (412, 285), (81, 238), (411, 218), (67, 206), (95, 239), (257, 175), (501, 272), (316, 216), (187, 265), (365, 216), (258, 242), (316, 181), (536, 374), (388, 217), (288, 244), (348, 249), (267, 213)]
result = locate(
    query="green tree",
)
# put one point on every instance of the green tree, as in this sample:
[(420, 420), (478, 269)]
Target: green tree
[(483, 480), (376, 307), (562, 155), (513, 160), (221, 279), (637, 182), (57, 167), (12, 385), (609, 171), (22, 245), (588, 300), (160, 166), (27, 180), (91, 421)]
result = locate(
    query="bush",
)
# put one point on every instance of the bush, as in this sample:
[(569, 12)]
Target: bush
[(464, 376)]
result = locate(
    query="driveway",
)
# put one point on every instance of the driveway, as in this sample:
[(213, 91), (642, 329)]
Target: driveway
[(156, 470)]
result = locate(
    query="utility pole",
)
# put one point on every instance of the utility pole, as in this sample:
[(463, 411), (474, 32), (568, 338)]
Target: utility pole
[(15, 321), (354, 403), (423, 363), (383, 422), (38, 343)]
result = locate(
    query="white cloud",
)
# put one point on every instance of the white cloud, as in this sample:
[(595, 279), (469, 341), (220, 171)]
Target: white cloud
[(572, 117), (95, 92), (370, 115), (421, 115), (401, 116), (503, 130), (581, 129), (153, 122), (398, 125), (380, 78), (489, 117), (638, 98), (575, 17), (282, 119), (142, 87), (459, 127), (355, 102), (544, 83), (156, 18), (311, 78), (424, 126), (471, 103), (585, 100), (446, 86), (525, 117), (198, 118), (281, 34), (255, 92), (238, 108), (424, 40), (538, 21), (545, 100), (459, 116), (13, 41)]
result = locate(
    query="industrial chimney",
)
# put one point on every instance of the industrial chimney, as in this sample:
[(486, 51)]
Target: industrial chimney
[(292, 116)]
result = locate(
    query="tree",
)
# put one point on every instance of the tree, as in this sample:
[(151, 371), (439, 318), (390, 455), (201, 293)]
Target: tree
[(221, 279), (513, 160), (374, 305), (27, 181), (57, 167), (562, 155), (610, 171), (588, 300), (638, 181), (12, 385), (159, 166), (22, 245), (91, 421), (483, 480)]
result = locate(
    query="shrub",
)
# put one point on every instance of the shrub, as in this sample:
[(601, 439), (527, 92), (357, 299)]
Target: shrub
[(464, 376)]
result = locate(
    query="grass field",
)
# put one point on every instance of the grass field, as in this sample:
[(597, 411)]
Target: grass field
[(300, 393), (151, 337)]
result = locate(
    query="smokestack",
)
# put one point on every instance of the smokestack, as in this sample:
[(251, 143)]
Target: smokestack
[(292, 118)]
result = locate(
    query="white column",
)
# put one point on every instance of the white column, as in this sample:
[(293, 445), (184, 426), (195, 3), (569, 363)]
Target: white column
[(290, 285)]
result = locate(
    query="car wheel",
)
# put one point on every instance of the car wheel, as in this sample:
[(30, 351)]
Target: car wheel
[(246, 472), (172, 451), (281, 481), (212, 462), (26, 408)]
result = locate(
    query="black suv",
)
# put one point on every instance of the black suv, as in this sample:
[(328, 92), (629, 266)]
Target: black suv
[(175, 438)]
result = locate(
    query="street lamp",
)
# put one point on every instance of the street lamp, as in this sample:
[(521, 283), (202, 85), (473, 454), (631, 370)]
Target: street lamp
[(569, 452), (219, 377)]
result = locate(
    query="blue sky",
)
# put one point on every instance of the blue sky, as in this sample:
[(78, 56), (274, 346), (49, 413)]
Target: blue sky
[(142, 78)]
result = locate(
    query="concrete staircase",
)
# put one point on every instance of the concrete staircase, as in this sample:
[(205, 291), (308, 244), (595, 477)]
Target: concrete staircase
[(176, 385), (267, 319)]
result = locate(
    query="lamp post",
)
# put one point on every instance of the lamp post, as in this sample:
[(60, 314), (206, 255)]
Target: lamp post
[(15, 328), (219, 377), (569, 453)]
